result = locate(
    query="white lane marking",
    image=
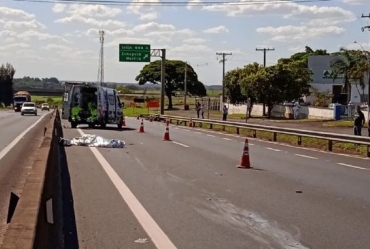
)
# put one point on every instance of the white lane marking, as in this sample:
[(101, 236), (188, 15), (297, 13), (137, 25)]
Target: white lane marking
[(273, 149), (352, 166), (20, 136), (197, 132), (225, 138), (210, 135), (159, 238), (183, 145), (176, 128), (186, 130), (311, 157)]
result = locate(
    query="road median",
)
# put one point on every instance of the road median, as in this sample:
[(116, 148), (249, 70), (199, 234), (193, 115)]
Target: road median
[(38, 221)]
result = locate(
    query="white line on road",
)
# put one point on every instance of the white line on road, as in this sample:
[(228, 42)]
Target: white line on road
[(159, 238), (210, 135), (248, 143), (183, 145), (186, 130), (197, 132), (228, 139), (273, 149), (311, 157), (20, 136), (352, 166)]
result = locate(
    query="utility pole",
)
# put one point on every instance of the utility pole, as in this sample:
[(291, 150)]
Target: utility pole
[(101, 58), (163, 79), (185, 83), (223, 60), (368, 72), (264, 50)]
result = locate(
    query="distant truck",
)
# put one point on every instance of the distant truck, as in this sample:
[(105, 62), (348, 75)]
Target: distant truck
[(93, 104), (19, 98)]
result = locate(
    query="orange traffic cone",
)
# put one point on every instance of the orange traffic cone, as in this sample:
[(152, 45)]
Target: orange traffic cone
[(191, 122), (167, 134), (244, 162), (141, 130), (123, 121)]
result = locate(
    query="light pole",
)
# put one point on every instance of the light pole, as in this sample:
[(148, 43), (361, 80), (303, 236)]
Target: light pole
[(366, 53)]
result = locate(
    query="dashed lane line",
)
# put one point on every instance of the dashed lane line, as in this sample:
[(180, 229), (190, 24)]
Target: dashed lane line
[(228, 139), (209, 135), (310, 157), (352, 166), (183, 145), (272, 149), (197, 132)]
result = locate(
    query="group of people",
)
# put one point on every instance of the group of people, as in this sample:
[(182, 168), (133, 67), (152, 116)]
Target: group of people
[(360, 123)]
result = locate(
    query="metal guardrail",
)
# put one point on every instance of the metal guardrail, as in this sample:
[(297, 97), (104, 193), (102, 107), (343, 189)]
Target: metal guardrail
[(330, 137)]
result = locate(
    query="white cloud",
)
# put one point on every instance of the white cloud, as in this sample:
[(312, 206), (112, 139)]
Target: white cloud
[(357, 46), (144, 13), (28, 35), (59, 8), (16, 13), (23, 24), (132, 40), (93, 10), (293, 34), (7, 33), (153, 27), (216, 30), (117, 32), (191, 49), (91, 21), (14, 46), (195, 40), (356, 1)]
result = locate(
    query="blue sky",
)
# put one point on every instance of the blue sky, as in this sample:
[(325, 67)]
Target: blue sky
[(45, 39)]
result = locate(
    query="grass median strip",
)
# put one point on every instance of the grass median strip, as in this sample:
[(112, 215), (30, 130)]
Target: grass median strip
[(308, 142)]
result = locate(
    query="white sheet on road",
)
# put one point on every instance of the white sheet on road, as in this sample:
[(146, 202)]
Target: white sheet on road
[(92, 140)]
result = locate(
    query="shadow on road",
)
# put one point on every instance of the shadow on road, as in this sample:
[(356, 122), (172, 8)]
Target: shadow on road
[(69, 219), (107, 129)]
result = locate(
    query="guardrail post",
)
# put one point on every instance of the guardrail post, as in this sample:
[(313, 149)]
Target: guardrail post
[(330, 145), (211, 126), (237, 130), (177, 123), (223, 128), (368, 151), (299, 140), (200, 125), (274, 137), (254, 133)]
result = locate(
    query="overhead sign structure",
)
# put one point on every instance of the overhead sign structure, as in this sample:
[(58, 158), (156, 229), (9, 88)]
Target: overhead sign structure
[(134, 52)]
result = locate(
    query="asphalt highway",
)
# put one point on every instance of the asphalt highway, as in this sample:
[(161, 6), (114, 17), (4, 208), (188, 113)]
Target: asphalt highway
[(20, 136), (188, 193)]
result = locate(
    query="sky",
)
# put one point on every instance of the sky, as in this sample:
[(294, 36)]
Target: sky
[(61, 40)]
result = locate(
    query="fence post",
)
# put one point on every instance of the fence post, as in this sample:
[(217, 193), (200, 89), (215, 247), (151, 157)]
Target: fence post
[(211, 126), (274, 137), (330, 145), (299, 140), (368, 151), (254, 133), (237, 130)]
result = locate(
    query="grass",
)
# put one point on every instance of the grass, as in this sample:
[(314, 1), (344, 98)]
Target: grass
[(133, 112), (339, 123), (293, 140)]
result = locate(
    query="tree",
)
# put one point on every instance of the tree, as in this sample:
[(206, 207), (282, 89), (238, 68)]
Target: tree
[(175, 72), (6, 84), (232, 83), (124, 90), (278, 83), (303, 56)]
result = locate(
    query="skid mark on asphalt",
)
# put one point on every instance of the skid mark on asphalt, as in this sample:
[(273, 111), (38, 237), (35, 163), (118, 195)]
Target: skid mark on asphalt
[(159, 238), (351, 166)]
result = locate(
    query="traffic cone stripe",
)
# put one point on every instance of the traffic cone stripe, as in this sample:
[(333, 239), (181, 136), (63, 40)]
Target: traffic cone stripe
[(244, 162)]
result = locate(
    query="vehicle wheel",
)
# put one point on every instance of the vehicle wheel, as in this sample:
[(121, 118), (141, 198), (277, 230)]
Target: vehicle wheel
[(22, 113), (103, 125), (36, 114), (119, 126), (73, 125), (91, 125)]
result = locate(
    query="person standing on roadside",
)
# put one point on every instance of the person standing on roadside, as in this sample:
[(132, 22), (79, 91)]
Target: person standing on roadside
[(359, 122), (225, 111), (197, 107), (202, 110)]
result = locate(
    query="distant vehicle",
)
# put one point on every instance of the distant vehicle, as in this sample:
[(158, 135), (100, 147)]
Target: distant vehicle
[(29, 108), (45, 106), (93, 104), (19, 98)]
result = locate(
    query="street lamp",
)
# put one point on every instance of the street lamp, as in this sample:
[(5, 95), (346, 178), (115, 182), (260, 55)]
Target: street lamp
[(366, 53)]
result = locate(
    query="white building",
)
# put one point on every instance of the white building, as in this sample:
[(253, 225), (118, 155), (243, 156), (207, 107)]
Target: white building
[(323, 81)]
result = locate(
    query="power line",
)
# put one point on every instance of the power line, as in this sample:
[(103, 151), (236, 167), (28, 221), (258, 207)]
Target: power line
[(265, 50), (171, 3), (223, 60)]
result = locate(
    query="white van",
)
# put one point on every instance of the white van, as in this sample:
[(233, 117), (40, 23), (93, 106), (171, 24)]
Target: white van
[(92, 104)]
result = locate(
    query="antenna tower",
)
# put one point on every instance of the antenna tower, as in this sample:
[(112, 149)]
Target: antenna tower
[(101, 58)]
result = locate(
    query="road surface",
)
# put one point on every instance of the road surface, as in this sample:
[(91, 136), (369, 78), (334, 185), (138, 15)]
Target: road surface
[(187, 193), (20, 137)]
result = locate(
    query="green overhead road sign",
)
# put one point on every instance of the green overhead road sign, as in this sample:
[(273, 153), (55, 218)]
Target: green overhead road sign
[(134, 52)]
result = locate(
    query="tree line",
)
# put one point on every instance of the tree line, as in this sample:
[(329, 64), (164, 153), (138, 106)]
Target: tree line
[(7, 72), (290, 78)]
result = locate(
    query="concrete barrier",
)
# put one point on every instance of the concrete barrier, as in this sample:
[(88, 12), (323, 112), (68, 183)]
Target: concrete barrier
[(37, 221)]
